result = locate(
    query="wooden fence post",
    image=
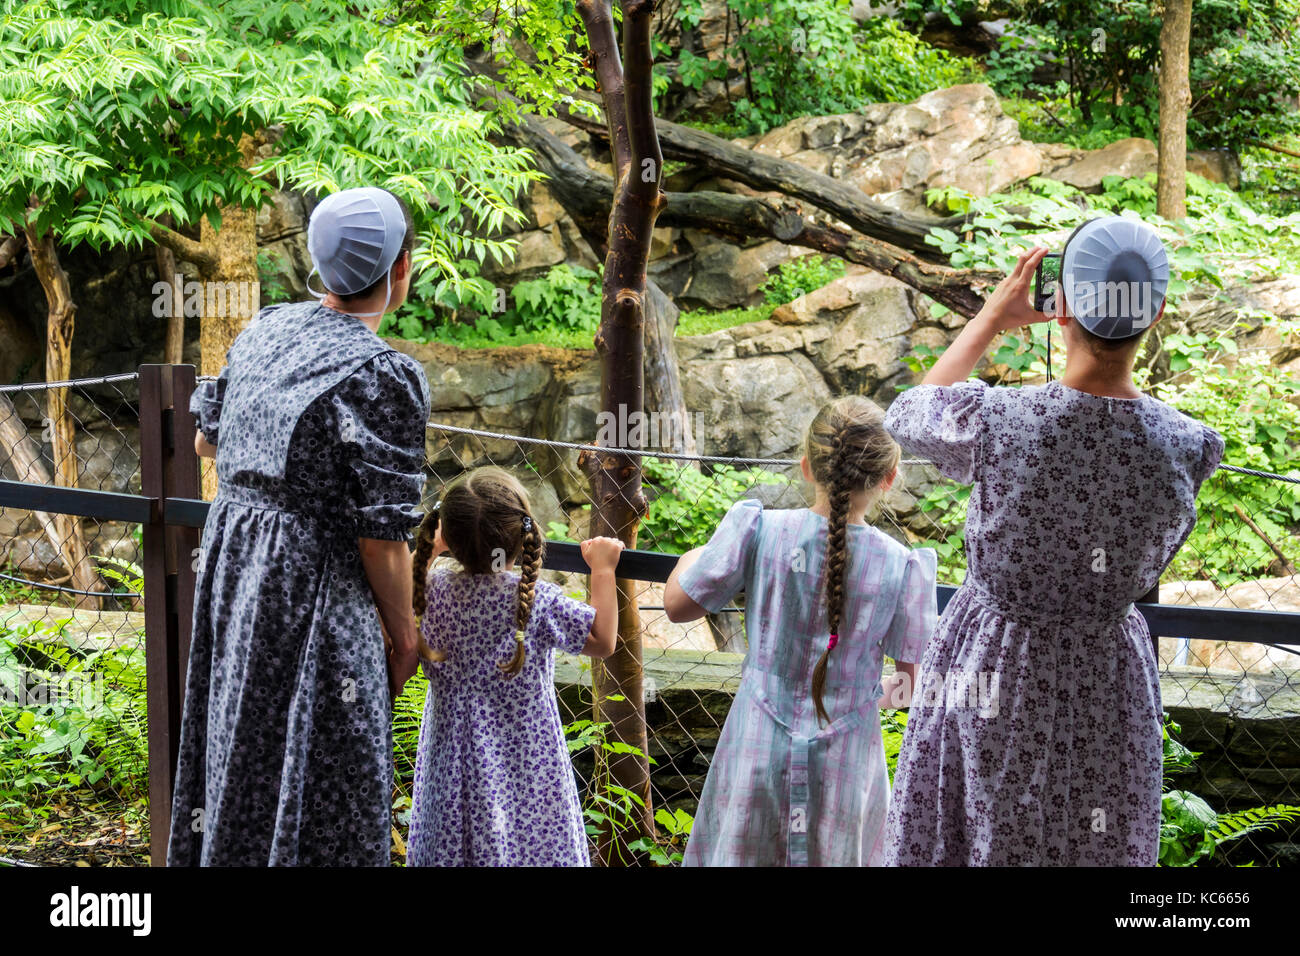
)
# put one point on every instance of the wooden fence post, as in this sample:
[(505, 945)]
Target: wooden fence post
[(168, 468)]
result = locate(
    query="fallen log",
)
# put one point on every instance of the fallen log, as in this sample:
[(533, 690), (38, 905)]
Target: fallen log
[(584, 193)]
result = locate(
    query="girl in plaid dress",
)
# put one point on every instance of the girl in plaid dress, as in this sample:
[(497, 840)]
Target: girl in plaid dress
[(799, 775)]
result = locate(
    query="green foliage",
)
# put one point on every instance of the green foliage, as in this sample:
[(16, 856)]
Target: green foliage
[(945, 505), (1176, 758), (686, 504), (567, 298), (798, 277), (558, 531), (272, 289), (916, 13), (893, 724), (704, 321), (115, 113), (609, 805), (1220, 231), (1255, 405), (1244, 71), (1190, 829), (801, 59), (71, 718), (561, 308), (122, 572)]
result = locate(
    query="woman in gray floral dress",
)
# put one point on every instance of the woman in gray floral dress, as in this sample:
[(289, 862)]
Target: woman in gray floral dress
[(1034, 734), (318, 431)]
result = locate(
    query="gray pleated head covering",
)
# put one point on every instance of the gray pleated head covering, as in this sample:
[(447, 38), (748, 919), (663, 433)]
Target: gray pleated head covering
[(1114, 273), (354, 237)]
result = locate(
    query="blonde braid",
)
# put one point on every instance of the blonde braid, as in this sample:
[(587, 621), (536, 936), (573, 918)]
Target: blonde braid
[(840, 491)]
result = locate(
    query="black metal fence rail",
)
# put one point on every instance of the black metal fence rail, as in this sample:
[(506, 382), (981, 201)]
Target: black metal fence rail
[(1274, 628)]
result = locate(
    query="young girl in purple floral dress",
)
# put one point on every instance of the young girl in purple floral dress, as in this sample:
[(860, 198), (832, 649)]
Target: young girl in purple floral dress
[(799, 775), (494, 784), (1034, 736)]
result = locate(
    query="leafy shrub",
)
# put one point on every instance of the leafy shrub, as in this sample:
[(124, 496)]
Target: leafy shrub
[(1190, 829), (1253, 404), (71, 718), (687, 504), (560, 308), (811, 59), (798, 277), (1243, 69)]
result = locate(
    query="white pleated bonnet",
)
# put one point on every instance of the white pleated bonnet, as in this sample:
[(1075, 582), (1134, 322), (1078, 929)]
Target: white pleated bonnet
[(354, 237), (1114, 274)]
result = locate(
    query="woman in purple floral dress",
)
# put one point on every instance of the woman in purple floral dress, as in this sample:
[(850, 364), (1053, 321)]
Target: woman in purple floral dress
[(494, 784), (1034, 736)]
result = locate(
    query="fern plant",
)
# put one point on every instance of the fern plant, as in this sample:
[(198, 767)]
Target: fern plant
[(1191, 831)]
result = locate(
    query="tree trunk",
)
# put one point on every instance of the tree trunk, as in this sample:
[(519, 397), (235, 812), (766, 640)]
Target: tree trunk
[(60, 430), (165, 258), (227, 262), (663, 377), (1175, 98), (618, 502)]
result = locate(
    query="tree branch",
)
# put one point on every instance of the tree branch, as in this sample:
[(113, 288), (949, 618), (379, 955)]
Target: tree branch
[(184, 247), (842, 200), (603, 60), (9, 249), (584, 192)]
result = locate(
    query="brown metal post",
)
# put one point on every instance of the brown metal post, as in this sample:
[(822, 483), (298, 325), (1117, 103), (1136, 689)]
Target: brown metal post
[(184, 482), (168, 468)]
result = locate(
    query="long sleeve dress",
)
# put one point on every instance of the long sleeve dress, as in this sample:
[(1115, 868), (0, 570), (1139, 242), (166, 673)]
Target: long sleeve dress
[(1034, 735), (286, 740), (782, 790), (494, 783)]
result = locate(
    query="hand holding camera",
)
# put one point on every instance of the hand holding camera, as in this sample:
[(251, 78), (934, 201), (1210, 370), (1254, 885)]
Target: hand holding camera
[(1008, 307)]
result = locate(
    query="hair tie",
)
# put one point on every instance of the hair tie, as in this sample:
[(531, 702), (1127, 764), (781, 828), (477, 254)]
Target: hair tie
[(519, 636), (830, 645), (528, 524)]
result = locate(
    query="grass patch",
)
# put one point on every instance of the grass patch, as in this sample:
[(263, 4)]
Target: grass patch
[(467, 337), (704, 321)]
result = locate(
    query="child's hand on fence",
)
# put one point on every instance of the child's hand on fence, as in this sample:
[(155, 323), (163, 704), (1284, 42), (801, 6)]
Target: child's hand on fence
[(601, 554)]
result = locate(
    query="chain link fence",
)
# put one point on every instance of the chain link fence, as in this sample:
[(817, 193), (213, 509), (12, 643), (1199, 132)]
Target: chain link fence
[(73, 729), (1235, 705), (73, 734)]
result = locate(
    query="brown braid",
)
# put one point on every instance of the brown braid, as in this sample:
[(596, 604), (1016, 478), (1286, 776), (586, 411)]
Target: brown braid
[(848, 452), (419, 581), (485, 518), (530, 566)]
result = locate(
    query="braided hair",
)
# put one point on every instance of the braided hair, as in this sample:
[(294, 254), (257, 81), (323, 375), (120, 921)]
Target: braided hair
[(849, 452), (424, 538), (486, 523)]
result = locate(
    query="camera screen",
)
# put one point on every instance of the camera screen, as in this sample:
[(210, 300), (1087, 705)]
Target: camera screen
[(1047, 281), (1051, 270)]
